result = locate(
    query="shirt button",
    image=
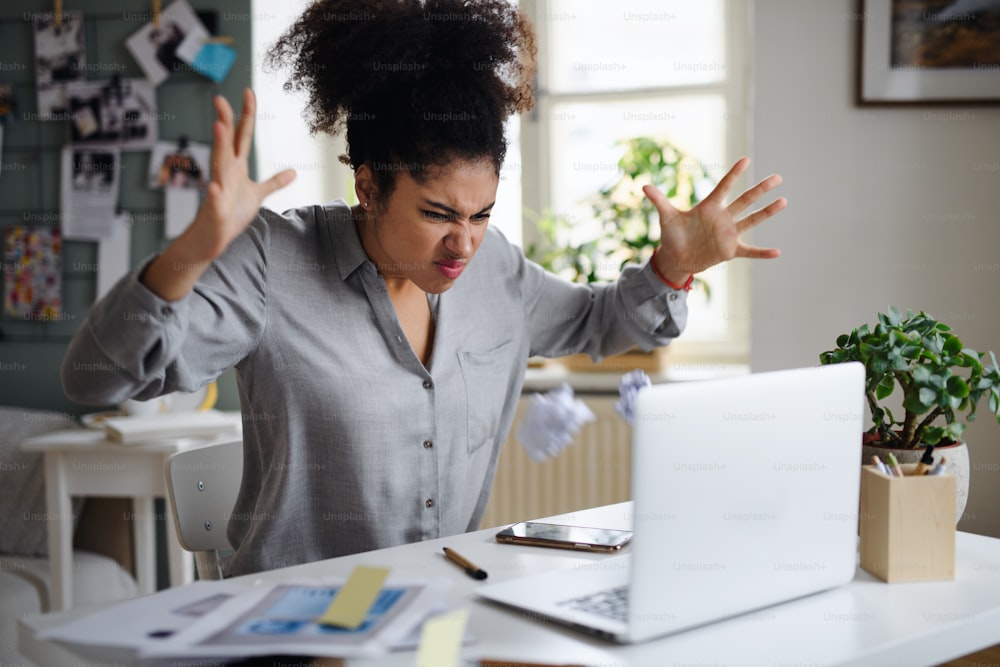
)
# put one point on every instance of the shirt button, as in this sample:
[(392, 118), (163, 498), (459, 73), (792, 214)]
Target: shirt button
[(166, 310), (673, 297), (428, 444), (428, 384), (429, 503)]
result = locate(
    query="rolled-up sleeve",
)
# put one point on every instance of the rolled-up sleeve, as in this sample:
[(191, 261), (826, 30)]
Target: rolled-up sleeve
[(133, 344)]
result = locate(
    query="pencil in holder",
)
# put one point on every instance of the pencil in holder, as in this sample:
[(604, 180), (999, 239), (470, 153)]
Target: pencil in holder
[(907, 525)]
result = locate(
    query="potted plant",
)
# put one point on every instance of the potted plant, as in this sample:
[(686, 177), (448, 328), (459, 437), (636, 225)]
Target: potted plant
[(623, 227), (942, 382)]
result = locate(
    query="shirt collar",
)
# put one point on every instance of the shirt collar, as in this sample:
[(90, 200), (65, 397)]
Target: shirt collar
[(347, 249)]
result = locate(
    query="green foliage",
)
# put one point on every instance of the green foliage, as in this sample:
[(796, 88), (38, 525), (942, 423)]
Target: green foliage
[(921, 356), (627, 229)]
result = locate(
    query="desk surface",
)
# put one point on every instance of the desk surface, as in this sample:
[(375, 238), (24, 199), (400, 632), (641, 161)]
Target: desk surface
[(866, 622)]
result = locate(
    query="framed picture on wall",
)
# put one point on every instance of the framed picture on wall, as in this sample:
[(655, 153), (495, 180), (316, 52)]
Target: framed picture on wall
[(929, 52)]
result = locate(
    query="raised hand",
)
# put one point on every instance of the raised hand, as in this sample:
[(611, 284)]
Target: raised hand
[(231, 203), (232, 198), (708, 234)]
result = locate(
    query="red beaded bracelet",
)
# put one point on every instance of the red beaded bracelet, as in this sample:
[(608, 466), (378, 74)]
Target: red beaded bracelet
[(687, 283)]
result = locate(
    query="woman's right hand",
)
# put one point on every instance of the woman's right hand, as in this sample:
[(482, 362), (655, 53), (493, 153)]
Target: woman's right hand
[(232, 198), (230, 205)]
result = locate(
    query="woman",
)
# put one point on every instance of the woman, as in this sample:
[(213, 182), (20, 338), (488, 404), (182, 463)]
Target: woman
[(380, 349)]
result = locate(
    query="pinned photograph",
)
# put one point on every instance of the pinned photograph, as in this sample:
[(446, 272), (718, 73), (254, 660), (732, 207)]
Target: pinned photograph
[(182, 164), (89, 191), (60, 58), (93, 170), (121, 111), (7, 103), (180, 169), (172, 44), (32, 262)]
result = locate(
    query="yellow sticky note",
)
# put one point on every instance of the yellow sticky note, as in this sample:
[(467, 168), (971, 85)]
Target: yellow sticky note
[(351, 604), (441, 639)]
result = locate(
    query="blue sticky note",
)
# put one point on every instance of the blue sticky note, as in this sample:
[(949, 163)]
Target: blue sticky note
[(214, 61)]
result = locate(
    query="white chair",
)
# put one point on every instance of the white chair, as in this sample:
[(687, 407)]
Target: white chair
[(202, 484)]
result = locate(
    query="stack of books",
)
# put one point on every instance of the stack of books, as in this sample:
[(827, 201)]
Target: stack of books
[(142, 428)]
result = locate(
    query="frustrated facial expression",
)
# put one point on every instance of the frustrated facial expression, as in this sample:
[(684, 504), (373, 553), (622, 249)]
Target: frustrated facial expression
[(428, 231)]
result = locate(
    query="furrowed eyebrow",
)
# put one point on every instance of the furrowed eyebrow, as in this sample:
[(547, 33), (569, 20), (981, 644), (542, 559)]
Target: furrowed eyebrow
[(453, 211)]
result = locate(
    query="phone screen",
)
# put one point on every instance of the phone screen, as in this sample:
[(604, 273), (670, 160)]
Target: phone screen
[(565, 536)]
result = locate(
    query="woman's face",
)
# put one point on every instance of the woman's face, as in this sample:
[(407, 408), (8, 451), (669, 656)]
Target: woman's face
[(427, 232)]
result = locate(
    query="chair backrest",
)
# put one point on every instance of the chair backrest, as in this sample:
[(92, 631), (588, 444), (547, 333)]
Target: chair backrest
[(202, 484)]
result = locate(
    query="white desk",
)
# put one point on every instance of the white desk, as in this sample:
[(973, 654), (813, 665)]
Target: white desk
[(85, 463), (865, 622)]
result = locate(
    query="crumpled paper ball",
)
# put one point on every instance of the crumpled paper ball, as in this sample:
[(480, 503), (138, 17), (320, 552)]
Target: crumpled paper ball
[(628, 389), (550, 421)]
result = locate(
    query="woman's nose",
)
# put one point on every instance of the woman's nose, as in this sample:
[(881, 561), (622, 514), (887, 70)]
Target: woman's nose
[(459, 240)]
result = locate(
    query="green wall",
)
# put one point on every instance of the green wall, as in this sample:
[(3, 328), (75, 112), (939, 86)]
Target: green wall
[(31, 351)]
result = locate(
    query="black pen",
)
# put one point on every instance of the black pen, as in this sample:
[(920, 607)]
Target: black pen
[(470, 569), (926, 462)]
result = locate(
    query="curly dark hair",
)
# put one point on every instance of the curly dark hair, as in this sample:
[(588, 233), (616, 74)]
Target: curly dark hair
[(416, 83)]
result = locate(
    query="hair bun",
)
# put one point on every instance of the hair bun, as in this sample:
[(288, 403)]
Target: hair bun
[(415, 84), (346, 52)]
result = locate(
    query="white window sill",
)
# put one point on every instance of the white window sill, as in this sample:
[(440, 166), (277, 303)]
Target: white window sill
[(554, 375)]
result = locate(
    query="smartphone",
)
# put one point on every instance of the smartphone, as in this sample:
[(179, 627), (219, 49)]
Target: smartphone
[(558, 536)]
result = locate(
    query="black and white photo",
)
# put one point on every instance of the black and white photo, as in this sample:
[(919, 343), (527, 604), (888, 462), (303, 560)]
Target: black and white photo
[(60, 58), (89, 190), (121, 111), (93, 170)]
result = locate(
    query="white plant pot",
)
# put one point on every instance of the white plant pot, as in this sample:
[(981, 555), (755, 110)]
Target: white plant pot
[(957, 464)]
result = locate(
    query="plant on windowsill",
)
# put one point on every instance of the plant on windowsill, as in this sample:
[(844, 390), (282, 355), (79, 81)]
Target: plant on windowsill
[(940, 379), (623, 229)]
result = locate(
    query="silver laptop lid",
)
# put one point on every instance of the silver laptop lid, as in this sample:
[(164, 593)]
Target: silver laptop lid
[(746, 493)]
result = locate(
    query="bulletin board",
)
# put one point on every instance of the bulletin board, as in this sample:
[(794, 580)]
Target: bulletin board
[(32, 166)]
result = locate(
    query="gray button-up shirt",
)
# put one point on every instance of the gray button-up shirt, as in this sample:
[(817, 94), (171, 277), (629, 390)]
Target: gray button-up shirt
[(350, 443)]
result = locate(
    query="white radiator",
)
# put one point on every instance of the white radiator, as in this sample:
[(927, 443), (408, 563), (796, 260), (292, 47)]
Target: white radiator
[(594, 470)]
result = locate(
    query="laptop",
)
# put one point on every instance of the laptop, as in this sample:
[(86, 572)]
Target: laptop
[(745, 495)]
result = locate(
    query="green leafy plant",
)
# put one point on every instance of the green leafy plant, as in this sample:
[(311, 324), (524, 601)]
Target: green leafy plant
[(921, 355), (627, 224)]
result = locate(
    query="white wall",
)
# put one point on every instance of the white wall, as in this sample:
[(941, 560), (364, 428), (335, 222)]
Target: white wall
[(886, 206), (281, 136)]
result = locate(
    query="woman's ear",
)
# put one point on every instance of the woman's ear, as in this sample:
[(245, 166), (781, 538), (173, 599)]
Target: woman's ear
[(364, 186)]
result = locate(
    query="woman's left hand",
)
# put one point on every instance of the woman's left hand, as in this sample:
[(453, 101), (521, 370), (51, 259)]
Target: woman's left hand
[(708, 234)]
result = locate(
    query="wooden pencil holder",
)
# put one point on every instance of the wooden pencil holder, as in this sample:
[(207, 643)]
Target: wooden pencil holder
[(907, 525)]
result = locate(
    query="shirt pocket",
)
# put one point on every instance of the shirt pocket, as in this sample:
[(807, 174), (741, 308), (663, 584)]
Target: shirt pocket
[(486, 376)]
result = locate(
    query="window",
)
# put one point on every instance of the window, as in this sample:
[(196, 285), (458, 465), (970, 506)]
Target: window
[(280, 123), (608, 71), (614, 70)]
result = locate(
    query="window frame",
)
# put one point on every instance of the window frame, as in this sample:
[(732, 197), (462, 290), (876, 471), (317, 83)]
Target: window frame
[(536, 163)]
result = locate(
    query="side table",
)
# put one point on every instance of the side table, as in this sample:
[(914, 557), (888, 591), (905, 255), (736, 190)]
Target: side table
[(86, 463)]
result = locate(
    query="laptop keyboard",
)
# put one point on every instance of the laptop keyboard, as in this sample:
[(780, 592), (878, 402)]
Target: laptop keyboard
[(612, 603)]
